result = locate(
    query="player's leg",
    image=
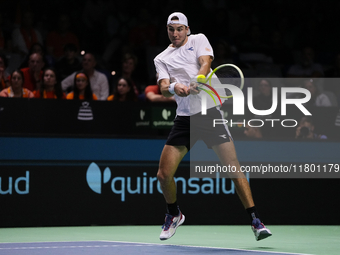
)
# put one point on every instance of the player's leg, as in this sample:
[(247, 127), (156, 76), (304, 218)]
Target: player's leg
[(170, 158), (227, 155)]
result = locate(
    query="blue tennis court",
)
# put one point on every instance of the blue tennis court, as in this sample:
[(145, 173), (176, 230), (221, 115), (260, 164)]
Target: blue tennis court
[(105, 247), (213, 239)]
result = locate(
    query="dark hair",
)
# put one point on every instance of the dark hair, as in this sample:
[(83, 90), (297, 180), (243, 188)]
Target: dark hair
[(317, 92), (131, 95), (70, 47), (92, 54), (88, 94), (21, 73), (266, 80), (43, 49), (57, 87), (307, 119), (128, 56)]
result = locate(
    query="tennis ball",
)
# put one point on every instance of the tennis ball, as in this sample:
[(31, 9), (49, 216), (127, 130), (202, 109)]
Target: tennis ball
[(200, 78)]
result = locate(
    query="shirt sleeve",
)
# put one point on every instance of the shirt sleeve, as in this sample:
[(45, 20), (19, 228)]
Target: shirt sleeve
[(161, 69), (67, 82), (203, 46), (104, 88), (323, 100)]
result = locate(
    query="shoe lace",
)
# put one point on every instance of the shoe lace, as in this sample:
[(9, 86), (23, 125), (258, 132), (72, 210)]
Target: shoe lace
[(257, 224), (168, 222)]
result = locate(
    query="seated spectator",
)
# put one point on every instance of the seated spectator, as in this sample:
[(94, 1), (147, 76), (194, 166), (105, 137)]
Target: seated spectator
[(25, 36), (98, 80), (4, 82), (57, 39), (153, 94), (128, 66), (253, 132), (16, 88), (51, 87), (332, 85), (123, 91), (69, 63), (264, 100), (81, 88), (38, 48), (33, 73), (306, 66), (306, 130), (222, 54), (317, 98)]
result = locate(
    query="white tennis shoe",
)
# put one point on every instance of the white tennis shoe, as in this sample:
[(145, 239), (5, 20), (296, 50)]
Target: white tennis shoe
[(260, 230), (170, 225)]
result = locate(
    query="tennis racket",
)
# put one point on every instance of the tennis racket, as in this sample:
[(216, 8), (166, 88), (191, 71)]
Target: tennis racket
[(229, 74)]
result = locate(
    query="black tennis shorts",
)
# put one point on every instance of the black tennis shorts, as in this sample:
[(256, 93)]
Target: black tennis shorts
[(187, 130)]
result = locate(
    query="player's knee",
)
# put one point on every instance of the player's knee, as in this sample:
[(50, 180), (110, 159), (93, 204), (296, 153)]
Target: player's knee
[(162, 176)]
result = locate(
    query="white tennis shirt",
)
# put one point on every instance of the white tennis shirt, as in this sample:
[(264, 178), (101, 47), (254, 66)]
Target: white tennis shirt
[(181, 65)]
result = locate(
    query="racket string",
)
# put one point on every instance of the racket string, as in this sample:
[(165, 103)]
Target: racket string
[(228, 75)]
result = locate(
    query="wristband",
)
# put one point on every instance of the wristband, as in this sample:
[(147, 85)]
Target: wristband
[(172, 88)]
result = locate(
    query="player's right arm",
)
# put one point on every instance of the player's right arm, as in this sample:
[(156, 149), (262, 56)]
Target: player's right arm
[(179, 89), (167, 88)]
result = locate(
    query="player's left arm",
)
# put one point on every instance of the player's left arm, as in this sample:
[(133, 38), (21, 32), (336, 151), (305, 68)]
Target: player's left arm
[(205, 63)]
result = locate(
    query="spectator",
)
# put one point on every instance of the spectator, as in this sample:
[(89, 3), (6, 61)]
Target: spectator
[(69, 63), (4, 82), (16, 89), (153, 94), (142, 37), (278, 50), (98, 81), (81, 88), (222, 54), (253, 132), (254, 41), (56, 40), (33, 73), (306, 67), (264, 100), (25, 36), (129, 63), (123, 91), (317, 98), (38, 48), (334, 71), (51, 87), (306, 130)]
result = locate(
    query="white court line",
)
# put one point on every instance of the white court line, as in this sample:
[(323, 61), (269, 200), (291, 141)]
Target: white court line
[(193, 246), (70, 246), (139, 244)]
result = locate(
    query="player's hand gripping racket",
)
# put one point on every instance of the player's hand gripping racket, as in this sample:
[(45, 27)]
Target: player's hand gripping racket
[(228, 74)]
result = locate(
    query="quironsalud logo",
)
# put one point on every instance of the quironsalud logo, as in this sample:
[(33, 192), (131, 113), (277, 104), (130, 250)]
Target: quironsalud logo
[(147, 185), (95, 179)]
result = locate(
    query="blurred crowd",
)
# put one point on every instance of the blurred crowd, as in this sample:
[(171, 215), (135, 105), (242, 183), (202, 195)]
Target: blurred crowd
[(104, 50)]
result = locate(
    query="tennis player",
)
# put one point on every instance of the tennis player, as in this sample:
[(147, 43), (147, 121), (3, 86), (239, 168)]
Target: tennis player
[(187, 57)]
